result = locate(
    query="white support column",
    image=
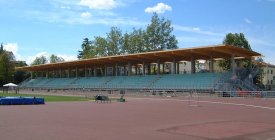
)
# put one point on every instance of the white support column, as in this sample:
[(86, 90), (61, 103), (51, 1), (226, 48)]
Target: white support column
[(163, 68), (211, 64), (149, 68), (178, 67), (69, 71), (95, 72), (31, 75), (85, 69), (233, 65), (116, 70), (60, 73), (193, 65), (124, 70), (105, 70), (143, 68), (158, 65), (129, 69), (76, 72), (174, 67), (250, 62), (136, 69)]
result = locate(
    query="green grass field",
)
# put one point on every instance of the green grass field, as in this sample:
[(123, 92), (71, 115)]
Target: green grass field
[(50, 98)]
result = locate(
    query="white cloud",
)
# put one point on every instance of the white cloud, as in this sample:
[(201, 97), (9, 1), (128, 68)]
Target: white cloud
[(30, 59), (198, 40), (69, 17), (159, 8), (76, 12), (66, 57), (196, 30), (99, 4), (112, 21), (12, 47), (65, 7), (247, 20), (85, 14)]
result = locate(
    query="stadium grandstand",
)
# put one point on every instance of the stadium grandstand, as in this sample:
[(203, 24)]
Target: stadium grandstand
[(150, 71)]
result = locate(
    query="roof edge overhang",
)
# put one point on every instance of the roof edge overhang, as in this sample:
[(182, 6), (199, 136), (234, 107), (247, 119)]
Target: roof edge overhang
[(183, 54)]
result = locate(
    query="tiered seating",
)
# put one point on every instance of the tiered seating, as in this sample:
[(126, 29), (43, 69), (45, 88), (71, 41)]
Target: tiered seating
[(29, 83), (39, 82), (131, 82), (186, 81), (60, 83), (153, 82), (91, 82), (48, 83)]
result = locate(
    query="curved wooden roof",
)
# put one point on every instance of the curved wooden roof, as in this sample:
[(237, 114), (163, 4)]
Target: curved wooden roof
[(184, 54)]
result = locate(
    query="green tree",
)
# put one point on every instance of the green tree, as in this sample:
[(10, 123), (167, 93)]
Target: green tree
[(126, 44), (136, 41), (115, 41), (7, 67), (85, 46), (56, 59), (238, 40), (20, 76), (159, 35), (39, 60), (101, 46), (1, 48)]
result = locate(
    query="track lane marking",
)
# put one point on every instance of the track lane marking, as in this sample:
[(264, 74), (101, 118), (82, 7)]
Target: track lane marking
[(212, 102)]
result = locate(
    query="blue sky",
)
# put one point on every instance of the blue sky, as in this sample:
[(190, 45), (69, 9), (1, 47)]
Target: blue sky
[(32, 28)]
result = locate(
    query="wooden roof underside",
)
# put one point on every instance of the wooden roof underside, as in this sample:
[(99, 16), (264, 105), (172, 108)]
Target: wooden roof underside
[(186, 54)]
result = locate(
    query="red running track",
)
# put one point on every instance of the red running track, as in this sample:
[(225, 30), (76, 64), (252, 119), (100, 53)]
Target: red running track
[(140, 119)]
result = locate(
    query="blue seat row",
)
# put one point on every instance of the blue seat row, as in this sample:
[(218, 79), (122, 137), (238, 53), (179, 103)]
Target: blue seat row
[(165, 82)]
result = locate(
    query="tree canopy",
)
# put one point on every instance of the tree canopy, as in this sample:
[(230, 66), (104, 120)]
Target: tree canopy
[(43, 60), (56, 59), (86, 45), (238, 40), (156, 36), (7, 67), (39, 60), (20, 76)]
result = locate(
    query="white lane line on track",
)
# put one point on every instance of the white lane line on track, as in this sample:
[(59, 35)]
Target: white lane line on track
[(236, 104)]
